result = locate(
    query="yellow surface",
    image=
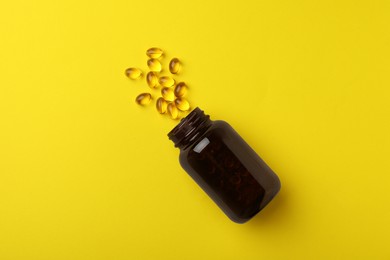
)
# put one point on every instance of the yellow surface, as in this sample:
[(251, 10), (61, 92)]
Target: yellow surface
[(87, 174)]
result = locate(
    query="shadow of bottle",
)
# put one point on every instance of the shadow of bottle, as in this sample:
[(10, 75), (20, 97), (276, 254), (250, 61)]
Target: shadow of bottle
[(273, 213)]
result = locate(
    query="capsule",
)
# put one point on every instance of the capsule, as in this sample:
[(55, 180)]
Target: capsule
[(166, 81), (167, 94), (173, 111), (154, 65), (180, 89), (161, 105), (182, 104), (143, 99), (174, 66), (152, 79), (133, 73), (154, 52)]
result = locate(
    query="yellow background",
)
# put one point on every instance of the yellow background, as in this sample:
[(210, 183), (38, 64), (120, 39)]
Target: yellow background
[(85, 173)]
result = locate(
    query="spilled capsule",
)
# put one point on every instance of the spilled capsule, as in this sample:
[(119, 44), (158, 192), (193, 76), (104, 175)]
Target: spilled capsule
[(143, 99), (133, 73), (154, 53), (161, 105), (182, 104), (173, 111), (167, 94), (174, 66), (154, 65), (166, 81), (152, 79), (180, 89)]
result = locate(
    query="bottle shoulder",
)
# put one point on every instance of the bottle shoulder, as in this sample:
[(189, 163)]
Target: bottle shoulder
[(220, 124), (217, 127)]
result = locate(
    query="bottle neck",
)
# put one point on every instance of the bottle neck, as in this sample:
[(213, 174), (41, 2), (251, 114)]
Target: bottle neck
[(190, 129)]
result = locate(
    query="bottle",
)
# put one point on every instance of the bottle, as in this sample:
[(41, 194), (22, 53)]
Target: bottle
[(224, 166)]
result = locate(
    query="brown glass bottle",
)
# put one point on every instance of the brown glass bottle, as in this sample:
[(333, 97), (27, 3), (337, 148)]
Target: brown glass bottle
[(224, 165)]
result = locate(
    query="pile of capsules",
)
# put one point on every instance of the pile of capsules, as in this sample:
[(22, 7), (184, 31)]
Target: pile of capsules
[(172, 99)]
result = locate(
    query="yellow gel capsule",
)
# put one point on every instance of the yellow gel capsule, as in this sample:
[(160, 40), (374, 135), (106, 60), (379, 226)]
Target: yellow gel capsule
[(143, 99), (180, 89), (167, 94), (173, 111), (174, 66), (161, 105), (154, 65), (133, 73), (182, 104), (166, 81), (154, 52), (152, 79)]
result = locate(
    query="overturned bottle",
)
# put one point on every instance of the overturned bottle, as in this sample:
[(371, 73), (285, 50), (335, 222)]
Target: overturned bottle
[(224, 166)]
